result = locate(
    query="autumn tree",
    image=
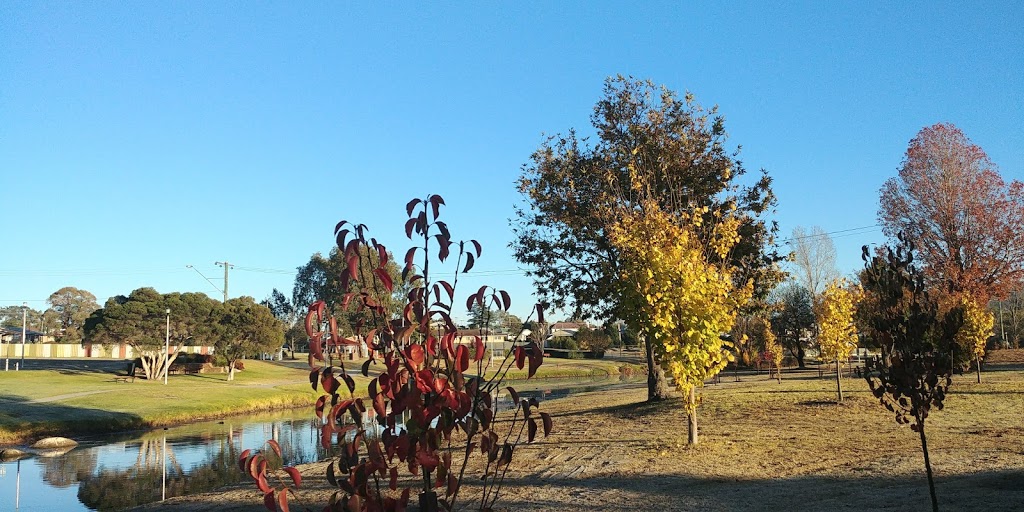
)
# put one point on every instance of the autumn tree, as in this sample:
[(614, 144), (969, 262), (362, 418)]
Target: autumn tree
[(916, 338), (837, 333), (976, 330), (679, 291), (792, 319), (772, 349), (72, 306), (652, 148), (246, 328), (964, 219), (814, 259)]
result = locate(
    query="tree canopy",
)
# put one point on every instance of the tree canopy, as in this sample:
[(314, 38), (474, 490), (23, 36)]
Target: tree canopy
[(965, 221), (653, 150), (72, 306)]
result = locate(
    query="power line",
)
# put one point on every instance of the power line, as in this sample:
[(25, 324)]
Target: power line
[(859, 231)]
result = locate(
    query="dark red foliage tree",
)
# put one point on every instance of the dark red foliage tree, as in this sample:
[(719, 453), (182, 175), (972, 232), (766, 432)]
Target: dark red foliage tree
[(432, 406)]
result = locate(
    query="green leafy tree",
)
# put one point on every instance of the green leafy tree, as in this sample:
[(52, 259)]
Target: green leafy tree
[(246, 329), (72, 306), (141, 321), (596, 341), (793, 318), (285, 311), (322, 279), (651, 146), (137, 320)]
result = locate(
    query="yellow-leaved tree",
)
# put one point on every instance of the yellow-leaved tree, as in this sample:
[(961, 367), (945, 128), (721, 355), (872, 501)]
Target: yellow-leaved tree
[(976, 329), (837, 334), (680, 292), (772, 349)]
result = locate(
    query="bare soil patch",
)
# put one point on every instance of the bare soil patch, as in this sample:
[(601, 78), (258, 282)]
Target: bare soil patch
[(763, 446)]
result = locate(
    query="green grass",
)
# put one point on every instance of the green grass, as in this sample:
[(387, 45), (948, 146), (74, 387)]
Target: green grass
[(45, 402), (39, 403)]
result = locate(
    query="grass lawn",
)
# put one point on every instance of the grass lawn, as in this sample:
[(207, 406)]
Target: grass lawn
[(763, 446), (35, 403)]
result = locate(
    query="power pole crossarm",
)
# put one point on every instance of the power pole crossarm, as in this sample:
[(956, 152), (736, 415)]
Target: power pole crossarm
[(226, 266)]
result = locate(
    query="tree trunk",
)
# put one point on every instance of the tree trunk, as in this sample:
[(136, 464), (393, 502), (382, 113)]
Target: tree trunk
[(657, 386), (692, 423), (977, 364), (231, 369), (927, 465), (778, 372), (800, 356), (839, 381)]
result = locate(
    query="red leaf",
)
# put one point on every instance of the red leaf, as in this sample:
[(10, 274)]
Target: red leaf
[(275, 446), (440, 384), (269, 502), (415, 355), (506, 299), (385, 279), (536, 357), (479, 349), (532, 428), (314, 377), (436, 201), (382, 254), (462, 358), (469, 302), (546, 418), (261, 483), (469, 263), (296, 476), (432, 346), (448, 288), (349, 382), (515, 395), (476, 245), (411, 205), (393, 480), (353, 265), (520, 357), (241, 459), (282, 499)]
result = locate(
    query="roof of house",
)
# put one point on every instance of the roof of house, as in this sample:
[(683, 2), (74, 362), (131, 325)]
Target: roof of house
[(7, 329)]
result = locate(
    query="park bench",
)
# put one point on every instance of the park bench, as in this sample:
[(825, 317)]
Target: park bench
[(129, 375)]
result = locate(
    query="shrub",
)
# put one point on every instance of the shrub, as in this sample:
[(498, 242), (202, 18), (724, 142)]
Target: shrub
[(425, 391)]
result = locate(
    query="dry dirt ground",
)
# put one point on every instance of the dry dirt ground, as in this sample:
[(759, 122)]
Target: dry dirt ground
[(763, 446)]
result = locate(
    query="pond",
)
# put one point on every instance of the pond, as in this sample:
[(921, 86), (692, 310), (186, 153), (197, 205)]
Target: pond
[(118, 472)]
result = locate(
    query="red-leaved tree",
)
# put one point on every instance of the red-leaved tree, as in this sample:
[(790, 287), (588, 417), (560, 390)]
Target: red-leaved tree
[(963, 218), (433, 406)]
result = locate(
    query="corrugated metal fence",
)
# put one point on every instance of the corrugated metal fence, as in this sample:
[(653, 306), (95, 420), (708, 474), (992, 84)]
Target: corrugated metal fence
[(72, 350)]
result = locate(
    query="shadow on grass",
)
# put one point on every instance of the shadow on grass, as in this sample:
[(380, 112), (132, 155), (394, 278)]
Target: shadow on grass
[(989, 491), (23, 420)]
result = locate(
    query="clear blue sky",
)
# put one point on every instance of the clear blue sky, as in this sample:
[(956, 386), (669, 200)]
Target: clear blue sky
[(140, 137)]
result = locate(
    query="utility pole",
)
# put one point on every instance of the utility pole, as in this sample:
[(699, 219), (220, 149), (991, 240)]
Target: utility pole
[(226, 266), (24, 324)]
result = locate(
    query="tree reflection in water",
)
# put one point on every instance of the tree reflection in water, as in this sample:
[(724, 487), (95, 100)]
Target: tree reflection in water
[(111, 489)]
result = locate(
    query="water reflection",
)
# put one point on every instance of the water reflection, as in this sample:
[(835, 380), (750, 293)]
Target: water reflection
[(116, 473), (119, 472)]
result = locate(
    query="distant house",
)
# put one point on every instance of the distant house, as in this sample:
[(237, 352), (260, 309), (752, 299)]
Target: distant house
[(13, 335), (566, 329), (496, 342)]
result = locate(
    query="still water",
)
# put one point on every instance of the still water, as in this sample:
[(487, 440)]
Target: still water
[(118, 472)]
